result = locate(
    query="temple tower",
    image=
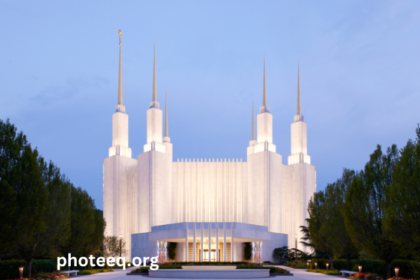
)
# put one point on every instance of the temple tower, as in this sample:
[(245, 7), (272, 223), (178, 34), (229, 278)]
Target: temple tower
[(262, 191), (155, 168), (119, 180), (304, 176)]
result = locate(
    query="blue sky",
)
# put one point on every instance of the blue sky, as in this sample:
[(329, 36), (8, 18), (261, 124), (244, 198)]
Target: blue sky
[(359, 65)]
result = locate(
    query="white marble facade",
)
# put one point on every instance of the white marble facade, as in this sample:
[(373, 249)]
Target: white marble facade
[(153, 190)]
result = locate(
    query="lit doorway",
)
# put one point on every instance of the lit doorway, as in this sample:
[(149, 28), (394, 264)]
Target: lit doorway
[(212, 255)]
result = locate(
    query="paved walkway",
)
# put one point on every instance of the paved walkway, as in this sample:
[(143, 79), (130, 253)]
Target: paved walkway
[(298, 274)]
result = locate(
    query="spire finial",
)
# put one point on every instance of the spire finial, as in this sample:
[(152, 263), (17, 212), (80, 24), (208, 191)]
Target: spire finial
[(253, 128), (264, 94), (166, 113), (120, 82), (154, 75), (298, 94)]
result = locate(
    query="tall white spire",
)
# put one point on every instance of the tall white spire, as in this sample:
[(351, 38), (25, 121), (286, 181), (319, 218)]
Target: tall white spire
[(298, 94), (166, 113), (154, 76), (264, 93), (120, 106), (154, 103), (253, 127), (120, 82), (120, 120), (264, 108)]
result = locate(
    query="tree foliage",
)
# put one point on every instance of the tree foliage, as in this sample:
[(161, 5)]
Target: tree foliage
[(373, 213), (318, 224), (111, 246), (42, 213), (55, 219), (281, 254), (402, 219), (334, 225), (364, 209)]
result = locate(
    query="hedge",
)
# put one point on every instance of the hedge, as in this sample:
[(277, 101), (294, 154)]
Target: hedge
[(10, 269), (408, 269)]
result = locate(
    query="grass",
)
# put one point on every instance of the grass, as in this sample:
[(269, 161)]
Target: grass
[(94, 271), (324, 271)]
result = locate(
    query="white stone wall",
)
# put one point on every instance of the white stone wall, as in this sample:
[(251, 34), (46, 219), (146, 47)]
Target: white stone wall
[(264, 190), (120, 129), (155, 190), (208, 190), (277, 240), (120, 135), (142, 246), (154, 125), (265, 128), (299, 138), (119, 185)]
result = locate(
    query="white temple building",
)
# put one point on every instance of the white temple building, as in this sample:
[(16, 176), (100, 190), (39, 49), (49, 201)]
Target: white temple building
[(210, 207)]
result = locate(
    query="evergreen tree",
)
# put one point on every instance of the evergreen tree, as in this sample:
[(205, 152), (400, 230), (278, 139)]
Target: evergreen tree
[(402, 219), (319, 232), (334, 200), (12, 147), (281, 254), (82, 220), (32, 199), (364, 209), (94, 241)]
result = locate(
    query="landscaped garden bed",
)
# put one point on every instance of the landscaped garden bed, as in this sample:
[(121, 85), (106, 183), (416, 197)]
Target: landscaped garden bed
[(45, 276), (94, 271), (365, 276), (297, 264), (324, 271), (239, 265)]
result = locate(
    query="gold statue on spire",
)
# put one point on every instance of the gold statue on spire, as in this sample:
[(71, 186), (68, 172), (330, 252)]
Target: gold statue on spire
[(119, 33)]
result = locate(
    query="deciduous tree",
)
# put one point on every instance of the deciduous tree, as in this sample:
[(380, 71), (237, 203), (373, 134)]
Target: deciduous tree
[(319, 233), (334, 200), (402, 219), (364, 209)]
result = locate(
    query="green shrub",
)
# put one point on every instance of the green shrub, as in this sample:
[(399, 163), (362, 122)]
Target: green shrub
[(172, 250), (93, 271), (324, 271), (341, 264), (333, 272), (10, 268), (272, 268), (408, 269), (247, 251), (170, 267), (277, 270), (370, 266), (297, 264), (321, 263)]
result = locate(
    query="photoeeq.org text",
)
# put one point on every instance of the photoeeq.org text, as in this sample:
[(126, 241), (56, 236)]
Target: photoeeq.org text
[(101, 261)]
